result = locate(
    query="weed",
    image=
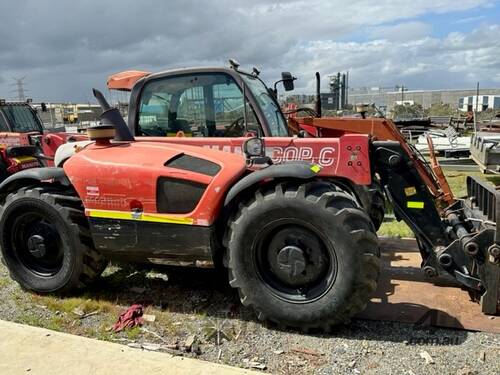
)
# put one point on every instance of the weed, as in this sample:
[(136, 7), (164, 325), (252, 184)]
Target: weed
[(133, 333), (84, 304), (4, 281), (30, 319)]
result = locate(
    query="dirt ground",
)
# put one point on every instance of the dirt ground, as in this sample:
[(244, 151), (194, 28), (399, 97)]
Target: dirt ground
[(198, 306)]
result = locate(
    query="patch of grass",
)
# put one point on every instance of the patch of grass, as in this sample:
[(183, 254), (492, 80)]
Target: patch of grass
[(30, 319), (396, 229), (165, 320), (134, 333), (457, 181), (19, 296), (101, 333), (4, 281), (68, 305), (54, 322), (57, 323)]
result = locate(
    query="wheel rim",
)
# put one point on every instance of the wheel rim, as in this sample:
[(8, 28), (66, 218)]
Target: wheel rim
[(295, 261), (37, 244)]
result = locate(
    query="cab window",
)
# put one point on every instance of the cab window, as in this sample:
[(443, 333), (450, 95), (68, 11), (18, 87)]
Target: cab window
[(198, 105), (22, 118), (3, 124)]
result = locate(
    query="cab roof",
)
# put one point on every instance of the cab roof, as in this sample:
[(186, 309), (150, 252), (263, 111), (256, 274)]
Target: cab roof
[(125, 81)]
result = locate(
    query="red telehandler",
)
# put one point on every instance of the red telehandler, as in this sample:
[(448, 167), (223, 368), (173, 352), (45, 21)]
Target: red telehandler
[(24, 142), (267, 219), (459, 237)]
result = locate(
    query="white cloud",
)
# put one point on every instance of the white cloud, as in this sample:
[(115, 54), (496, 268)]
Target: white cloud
[(401, 32), (457, 60), (470, 19), (65, 56)]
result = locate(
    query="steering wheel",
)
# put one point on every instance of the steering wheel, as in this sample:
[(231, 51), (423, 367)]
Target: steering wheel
[(153, 131), (237, 126)]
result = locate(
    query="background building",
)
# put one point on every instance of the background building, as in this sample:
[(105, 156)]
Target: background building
[(479, 103), (389, 97)]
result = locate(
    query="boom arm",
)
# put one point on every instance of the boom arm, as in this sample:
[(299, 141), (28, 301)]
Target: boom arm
[(382, 129)]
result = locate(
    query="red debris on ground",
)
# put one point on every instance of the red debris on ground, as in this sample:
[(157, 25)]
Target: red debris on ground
[(130, 318)]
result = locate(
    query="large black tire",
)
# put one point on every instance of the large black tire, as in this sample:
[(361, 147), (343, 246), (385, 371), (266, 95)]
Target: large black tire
[(46, 242), (372, 199), (3, 171), (303, 256), (377, 208)]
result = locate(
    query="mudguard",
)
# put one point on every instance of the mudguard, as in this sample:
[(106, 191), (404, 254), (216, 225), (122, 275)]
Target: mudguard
[(29, 176), (300, 170)]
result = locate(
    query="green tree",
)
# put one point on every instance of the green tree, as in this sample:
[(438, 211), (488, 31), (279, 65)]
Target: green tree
[(407, 111), (441, 109)]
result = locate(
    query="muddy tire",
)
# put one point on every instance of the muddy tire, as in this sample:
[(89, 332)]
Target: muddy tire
[(303, 256), (46, 242)]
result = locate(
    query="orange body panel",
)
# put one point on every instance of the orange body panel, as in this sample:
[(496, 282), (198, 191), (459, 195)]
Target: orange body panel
[(123, 176), (345, 157), (379, 128), (124, 81)]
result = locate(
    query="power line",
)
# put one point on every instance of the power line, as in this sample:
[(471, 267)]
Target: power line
[(19, 85)]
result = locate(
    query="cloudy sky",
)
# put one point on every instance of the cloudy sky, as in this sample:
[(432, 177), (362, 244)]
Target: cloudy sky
[(66, 47)]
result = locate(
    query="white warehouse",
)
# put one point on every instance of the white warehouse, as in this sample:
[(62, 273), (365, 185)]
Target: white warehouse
[(479, 103)]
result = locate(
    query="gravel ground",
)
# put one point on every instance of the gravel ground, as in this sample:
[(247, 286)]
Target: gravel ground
[(197, 305)]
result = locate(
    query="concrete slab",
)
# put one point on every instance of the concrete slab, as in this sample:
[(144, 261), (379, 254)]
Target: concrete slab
[(38, 351)]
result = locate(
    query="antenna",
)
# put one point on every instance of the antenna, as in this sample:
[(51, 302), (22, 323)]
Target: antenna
[(19, 88)]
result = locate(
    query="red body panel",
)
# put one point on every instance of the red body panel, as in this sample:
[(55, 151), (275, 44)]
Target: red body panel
[(15, 139), (346, 157), (20, 163), (51, 141), (123, 176)]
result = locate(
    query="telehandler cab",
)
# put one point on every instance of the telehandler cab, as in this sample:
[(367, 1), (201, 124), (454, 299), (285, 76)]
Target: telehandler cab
[(20, 133)]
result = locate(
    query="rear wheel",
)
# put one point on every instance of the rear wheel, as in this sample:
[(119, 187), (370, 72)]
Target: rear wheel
[(303, 256), (46, 242)]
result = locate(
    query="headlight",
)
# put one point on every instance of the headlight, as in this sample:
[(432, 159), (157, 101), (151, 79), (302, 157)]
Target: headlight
[(254, 147)]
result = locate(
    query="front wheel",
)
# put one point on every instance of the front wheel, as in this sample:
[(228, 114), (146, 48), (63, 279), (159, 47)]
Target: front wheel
[(45, 241), (303, 256)]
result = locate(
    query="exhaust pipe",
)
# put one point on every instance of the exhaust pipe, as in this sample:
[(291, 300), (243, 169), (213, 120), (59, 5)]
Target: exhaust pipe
[(101, 100), (112, 117), (318, 95)]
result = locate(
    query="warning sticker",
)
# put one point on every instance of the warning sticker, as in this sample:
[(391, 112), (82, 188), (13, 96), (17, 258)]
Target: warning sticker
[(418, 205), (410, 190), (93, 190)]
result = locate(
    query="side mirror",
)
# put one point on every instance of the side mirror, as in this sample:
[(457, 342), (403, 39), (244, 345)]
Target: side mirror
[(255, 151), (287, 79), (254, 147)]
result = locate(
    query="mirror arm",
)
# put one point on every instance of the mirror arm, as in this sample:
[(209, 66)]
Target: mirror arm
[(245, 114), (275, 84)]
